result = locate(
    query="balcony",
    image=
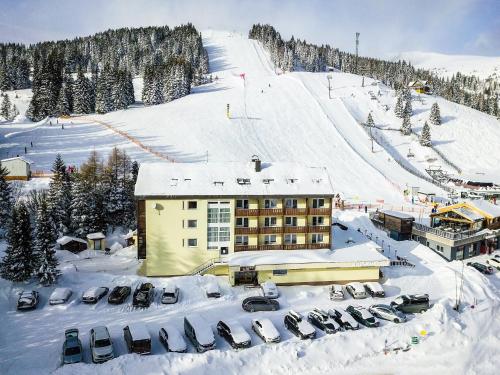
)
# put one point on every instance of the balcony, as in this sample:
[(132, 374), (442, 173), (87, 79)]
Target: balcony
[(295, 246), (246, 212), (317, 246), (270, 211), (246, 230), (319, 211), (270, 230), (245, 248), (292, 229), (319, 229), (271, 247), (296, 211)]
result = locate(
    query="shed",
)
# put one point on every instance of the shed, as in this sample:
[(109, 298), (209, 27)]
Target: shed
[(96, 241), (130, 238), (73, 244), (19, 168), (397, 224), (420, 86)]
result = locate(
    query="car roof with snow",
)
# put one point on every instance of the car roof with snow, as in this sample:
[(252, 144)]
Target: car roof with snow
[(204, 333), (60, 293), (268, 285), (175, 340), (212, 287), (268, 327), (169, 288), (139, 331), (374, 286), (358, 287), (238, 332), (101, 332), (93, 291)]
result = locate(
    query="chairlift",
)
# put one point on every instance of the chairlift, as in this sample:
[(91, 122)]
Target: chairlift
[(410, 153)]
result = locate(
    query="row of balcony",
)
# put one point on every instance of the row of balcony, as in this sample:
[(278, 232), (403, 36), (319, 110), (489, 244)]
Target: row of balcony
[(281, 247), (285, 229), (282, 211)]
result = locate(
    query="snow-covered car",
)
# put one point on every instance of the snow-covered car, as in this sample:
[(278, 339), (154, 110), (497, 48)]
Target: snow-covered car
[(137, 338), (199, 332), (28, 300), (387, 312), (170, 294), (269, 289), (336, 292), (234, 334), (299, 326), (101, 346), (374, 289), (60, 296), (494, 262), (258, 303), (72, 350), (119, 294), (356, 290), (487, 270), (323, 321), (172, 339), (266, 330), (143, 295), (94, 294), (363, 316), (212, 290), (343, 318), (411, 303)]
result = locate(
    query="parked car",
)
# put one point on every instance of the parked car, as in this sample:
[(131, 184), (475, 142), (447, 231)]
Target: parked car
[(137, 338), (343, 318), (212, 290), (170, 294), (387, 312), (94, 294), (119, 294), (356, 290), (409, 304), (299, 326), (101, 346), (60, 296), (323, 321), (494, 262), (363, 316), (266, 330), (269, 289), (28, 300), (72, 350), (200, 334), (143, 295), (234, 334), (257, 303), (487, 270), (172, 340), (375, 289), (336, 292)]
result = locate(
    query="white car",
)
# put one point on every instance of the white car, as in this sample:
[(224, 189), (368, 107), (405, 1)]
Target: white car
[(60, 296), (172, 340), (212, 290), (336, 292), (170, 294), (266, 330), (375, 289), (234, 334), (356, 290), (343, 318), (387, 312), (269, 289), (94, 294), (299, 326), (101, 346)]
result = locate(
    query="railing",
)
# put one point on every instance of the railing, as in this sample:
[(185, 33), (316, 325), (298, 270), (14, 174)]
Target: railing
[(295, 211), (245, 248), (271, 247), (294, 246), (317, 246), (403, 263), (444, 234), (246, 230), (494, 225), (319, 211), (268, 230), (246, 212), (292, 229), (319, 228), (270, 211), (206, 266)]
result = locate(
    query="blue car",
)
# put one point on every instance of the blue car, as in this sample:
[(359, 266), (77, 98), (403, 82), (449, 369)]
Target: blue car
[(72, 347)]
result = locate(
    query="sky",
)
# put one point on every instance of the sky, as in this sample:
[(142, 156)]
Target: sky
[(386, 26)]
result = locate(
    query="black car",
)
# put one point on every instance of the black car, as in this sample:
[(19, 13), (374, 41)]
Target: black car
[(119, 294), (323, 321), (234, 334), (411, 303), (258, 303), (487, 270), (143, 295), (28, 300), (363, 316), (299, 326)]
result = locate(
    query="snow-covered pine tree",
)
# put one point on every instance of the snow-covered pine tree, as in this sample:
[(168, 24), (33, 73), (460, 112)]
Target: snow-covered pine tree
[(406, 125), (407, 109), (369, 120), (129, 86), (425, 137), (83, 96), (435, 115), (103, 99), (63, 107), (14, 112), (17, 264), (398, 109), (5, 108), (6, 200), (46, 261), (59, 197)]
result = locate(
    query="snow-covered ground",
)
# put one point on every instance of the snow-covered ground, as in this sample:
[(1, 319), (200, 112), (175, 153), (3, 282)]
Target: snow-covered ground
[(456, 343)]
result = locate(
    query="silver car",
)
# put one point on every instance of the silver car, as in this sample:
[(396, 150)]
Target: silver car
[(170, 294), (101, 346), (387, 312)]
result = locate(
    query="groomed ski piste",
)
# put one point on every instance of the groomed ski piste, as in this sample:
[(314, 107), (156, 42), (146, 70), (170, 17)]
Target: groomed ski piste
[(280, 117)]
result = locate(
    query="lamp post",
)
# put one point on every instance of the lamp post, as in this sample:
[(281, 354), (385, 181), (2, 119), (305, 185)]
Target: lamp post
[(329, 77)]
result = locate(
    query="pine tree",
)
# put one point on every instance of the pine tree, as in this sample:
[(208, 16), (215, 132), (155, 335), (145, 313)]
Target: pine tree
[(406, 126), (46, 266), (398, 109), (6, 200), (369, 120), (14, 112), (83, 95), (5, 107), (435, 116), (425, 138), (18, 262), (59, 197), (63, 105), (407, 110)]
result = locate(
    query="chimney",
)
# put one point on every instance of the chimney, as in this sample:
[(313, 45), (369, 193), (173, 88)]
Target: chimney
[(256, 161)]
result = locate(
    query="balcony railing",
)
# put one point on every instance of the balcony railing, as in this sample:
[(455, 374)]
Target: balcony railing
[(245, 248), (271, 247), (270, 211), (246, 230), (317, 246), (449, 235), (292, 229), (295, 246), (246, 212), (319, 211), (295, 211), (269, 230), (319, 228)]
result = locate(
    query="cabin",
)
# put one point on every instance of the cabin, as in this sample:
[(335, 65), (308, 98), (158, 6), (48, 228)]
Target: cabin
[(19, 168), (96, 241), (397, 224), (420, 86), (73, 244)]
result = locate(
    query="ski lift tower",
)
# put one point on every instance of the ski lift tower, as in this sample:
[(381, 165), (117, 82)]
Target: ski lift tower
[(357, 46), (329, 77)]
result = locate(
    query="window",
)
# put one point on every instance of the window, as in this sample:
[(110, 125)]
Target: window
[(192, 242), (318, 220), (270, 203), (270, 222), (213, 234), (318, 202), (290, 239), (317, 238), (224, 215), (242, 203), (270, 239), (192, 223), (291, 203), (280, 272), (242, 222), (290, 221), (213, 215), (224, 234), (192, 205), (241, 240)]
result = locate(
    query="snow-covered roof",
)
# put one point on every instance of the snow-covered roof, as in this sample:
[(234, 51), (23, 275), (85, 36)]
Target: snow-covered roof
[(139, 331), (212, 287), (204, 333), (96, 236), (400, 215), (487, 207), (67, 239), (469, 214), (26, 160), (231, 179)]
